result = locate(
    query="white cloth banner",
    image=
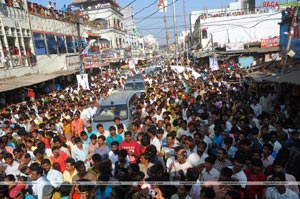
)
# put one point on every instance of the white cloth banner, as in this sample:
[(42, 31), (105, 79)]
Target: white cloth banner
[(82, 80), (213, 64)]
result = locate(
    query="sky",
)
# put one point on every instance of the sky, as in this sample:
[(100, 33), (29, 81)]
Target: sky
[(155, 25)]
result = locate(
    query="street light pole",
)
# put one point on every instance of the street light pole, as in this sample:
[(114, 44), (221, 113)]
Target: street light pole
[(81, 65), (175, 31)]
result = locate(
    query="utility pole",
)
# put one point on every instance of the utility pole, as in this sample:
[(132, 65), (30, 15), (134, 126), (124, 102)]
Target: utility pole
[(166, 26), (291, 34), (185, 33), (175, 31), (81, 66)]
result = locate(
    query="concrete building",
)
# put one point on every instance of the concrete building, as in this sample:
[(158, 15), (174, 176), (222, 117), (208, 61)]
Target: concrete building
[(232, 25), (151, 44), (106, 20), (131, 36)]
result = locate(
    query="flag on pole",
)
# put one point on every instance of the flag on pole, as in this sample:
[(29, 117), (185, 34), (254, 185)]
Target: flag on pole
[(86, 50), (162, 5)]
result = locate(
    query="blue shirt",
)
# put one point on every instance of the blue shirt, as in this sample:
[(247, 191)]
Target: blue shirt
[(103, 152), (105, 194), (110, 139)]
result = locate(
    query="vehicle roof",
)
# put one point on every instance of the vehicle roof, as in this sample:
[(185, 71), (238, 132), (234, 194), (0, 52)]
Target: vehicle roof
[(120, 97), (130, 80)]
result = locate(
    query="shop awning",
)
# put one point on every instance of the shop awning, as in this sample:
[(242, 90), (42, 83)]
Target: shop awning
[(258, 76), (291, 77), (92, 34), (28, 80)]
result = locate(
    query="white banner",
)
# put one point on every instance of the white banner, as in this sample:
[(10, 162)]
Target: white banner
[(234, 46), (213, 64), (82, 80)]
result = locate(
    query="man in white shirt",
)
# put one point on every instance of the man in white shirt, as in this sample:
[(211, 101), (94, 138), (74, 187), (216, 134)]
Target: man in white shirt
[(237, 169), (11, 166), (279, 191), (179, 166), (153, 139), (39, 181), (101, 131), (183, 130), (209, 172), (256, 108), (54, 176), (195, 159)]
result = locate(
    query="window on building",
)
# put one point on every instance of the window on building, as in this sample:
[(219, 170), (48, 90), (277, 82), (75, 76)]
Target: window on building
[(70, 44), (39, 43), (61, 44), (52, 44), (204, 34)]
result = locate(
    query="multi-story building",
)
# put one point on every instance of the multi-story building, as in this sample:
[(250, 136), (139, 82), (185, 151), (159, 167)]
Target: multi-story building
[(37, 40), (233, 25), (131, 36), (105, 18), (150, 44)]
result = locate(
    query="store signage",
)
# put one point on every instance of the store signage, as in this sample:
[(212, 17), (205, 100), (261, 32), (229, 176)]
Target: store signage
[(274, 4), (271, 42)]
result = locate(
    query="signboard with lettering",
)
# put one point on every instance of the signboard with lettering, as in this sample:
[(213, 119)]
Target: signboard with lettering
[(94, 61), (275, 4), (72, 62), (268, 43)]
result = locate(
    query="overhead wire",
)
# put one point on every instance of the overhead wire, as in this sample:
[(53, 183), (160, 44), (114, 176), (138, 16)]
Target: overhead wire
[(156, 12)]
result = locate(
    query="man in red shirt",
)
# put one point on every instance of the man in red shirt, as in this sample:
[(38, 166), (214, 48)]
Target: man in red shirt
[(132, 147), (58, 159)]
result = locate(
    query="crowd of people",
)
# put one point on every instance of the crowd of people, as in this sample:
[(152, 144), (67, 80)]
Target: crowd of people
[(200, 130)]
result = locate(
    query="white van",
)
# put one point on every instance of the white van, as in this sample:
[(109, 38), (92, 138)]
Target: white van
[(119, 104)]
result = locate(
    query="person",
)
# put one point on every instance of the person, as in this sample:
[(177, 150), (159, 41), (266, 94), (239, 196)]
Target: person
[(70, 171), (77, 125), (132, 147), (113, 136), (145, 163), (41, 182), (222, 161), (80, 152), (255, 174), (11, 166), (237, 168), (279, 167), (279, 190), (58, 159), (82, 173), (182, 192), (209, 172), (180, 166), (54, 177), (102, 149)]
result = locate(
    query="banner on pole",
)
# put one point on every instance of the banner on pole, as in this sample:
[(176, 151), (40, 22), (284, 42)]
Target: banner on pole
[(83, 81), (213, 64)]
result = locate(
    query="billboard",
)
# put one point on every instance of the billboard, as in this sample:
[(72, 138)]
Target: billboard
[(93, 61), (268, 43), (234, 46)]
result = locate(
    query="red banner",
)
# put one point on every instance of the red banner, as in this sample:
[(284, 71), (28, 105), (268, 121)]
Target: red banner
[(268, 43)]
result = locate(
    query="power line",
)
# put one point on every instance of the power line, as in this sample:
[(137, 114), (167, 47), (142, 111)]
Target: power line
[(129, 4), (155, 12), (155, 1)]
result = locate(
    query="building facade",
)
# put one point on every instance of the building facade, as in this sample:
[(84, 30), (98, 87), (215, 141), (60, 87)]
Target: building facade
[(131, 36), (106, 19)]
